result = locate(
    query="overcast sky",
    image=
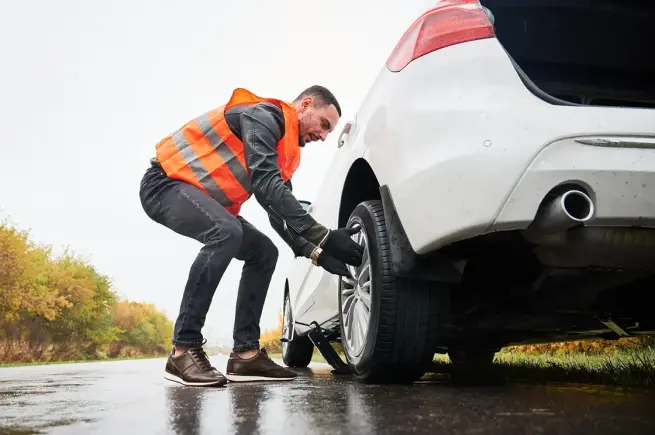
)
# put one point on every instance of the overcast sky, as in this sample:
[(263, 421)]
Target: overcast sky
[(88, 87)]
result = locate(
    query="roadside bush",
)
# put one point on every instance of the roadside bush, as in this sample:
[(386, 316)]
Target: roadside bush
[(62, 308), (270, 339)]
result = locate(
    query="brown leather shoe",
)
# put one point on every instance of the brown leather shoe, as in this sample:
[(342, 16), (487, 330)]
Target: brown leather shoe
[(258, 368), (193, 368)]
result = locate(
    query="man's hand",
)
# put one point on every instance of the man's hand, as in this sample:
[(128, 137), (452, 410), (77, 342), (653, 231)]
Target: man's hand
[(303, 248), (339, 245), (333, 265)]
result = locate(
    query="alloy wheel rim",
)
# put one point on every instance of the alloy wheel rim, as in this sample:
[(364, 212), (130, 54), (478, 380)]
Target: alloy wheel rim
[(285, 325), (356, 299)]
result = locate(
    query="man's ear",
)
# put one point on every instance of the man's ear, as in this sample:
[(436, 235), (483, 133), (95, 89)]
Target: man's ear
[(306, 102)]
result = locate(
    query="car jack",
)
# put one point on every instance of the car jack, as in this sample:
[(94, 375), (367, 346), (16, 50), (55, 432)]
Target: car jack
[(331, 356)]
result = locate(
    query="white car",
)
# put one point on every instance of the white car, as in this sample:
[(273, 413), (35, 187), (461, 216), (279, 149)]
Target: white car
[(502, 169)]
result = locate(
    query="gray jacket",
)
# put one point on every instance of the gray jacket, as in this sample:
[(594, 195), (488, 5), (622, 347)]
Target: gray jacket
[(260, 127)]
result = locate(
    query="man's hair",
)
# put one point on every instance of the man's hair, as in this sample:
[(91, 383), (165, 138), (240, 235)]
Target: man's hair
[(321, 95)]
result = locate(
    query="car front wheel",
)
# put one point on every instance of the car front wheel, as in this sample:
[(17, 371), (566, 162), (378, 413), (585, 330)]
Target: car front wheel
[(390, 326), (297, 352)]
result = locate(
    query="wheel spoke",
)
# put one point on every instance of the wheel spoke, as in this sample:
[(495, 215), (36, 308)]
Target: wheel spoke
[(362, 314), (348, 304), (353, 272), (349, 281), (354, 335), (351, 307), (366, 300), (351, 320), (364, 275), (358, 238), (365, 257), (347, 292), (361, 321), (346, 323)]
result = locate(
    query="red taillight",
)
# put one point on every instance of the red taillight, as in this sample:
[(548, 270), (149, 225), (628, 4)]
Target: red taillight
[(449, 22)]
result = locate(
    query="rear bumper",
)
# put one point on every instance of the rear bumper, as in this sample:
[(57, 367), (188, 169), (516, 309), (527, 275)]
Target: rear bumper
[(472, 153), (619, 179), (620, 182)]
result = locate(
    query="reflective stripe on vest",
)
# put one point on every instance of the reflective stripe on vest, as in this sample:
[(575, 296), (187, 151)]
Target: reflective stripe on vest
[(206, 154)]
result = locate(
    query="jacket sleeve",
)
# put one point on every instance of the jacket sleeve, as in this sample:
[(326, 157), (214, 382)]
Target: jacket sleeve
[(299, 245), (261, 130)]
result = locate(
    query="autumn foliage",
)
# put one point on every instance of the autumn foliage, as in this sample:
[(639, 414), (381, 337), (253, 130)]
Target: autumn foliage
[(61, 308), (270, 338)]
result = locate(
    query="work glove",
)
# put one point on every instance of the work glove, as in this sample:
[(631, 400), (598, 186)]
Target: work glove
[(340, 246), (333, 265), (303, 248)]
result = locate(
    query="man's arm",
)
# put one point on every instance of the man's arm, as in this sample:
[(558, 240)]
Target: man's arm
[(299, 246), (261, 130), (277, 224)]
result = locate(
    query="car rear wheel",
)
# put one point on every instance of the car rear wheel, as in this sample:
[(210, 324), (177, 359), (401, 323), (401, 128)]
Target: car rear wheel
[(390, 326), (472, 364), (297, 352)]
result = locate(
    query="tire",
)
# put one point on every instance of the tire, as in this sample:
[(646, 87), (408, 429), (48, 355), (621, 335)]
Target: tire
[(297, 352), (405, 315)]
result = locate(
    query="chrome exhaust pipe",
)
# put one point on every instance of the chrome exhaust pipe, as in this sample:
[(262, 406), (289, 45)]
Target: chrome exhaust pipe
[(566, 211)]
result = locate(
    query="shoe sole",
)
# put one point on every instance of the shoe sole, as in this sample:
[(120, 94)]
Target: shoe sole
[(241, 378), (174, 378)]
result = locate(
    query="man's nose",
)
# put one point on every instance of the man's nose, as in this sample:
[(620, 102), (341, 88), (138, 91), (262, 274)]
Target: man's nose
[(323, 136)]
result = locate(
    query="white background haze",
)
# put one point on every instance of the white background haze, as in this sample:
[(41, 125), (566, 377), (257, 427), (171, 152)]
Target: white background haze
[(88, 87)]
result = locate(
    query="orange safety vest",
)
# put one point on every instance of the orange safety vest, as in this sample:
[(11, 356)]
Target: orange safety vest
[(206, 154)]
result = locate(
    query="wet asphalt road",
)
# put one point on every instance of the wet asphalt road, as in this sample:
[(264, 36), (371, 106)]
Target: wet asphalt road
[(131, 397)]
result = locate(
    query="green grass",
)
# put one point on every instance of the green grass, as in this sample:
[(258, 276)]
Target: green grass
[(43, 363), (19, 431), (632, 367)]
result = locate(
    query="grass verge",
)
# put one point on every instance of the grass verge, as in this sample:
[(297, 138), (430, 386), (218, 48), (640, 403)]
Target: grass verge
[(633, 367), (629, 367), (81, 361)]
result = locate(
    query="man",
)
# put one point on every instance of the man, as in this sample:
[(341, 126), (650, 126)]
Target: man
[(196, 185)]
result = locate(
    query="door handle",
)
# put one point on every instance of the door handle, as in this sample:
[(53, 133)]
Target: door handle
[(344, 133)]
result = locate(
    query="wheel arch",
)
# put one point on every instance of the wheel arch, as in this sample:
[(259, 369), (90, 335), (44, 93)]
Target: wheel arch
[(360, 185), (298, 350)]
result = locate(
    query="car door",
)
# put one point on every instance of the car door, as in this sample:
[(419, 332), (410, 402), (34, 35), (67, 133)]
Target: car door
[(300, 299), (323, 303)]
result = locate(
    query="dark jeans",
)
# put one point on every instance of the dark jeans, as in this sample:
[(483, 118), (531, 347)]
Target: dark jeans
[(187, 210)]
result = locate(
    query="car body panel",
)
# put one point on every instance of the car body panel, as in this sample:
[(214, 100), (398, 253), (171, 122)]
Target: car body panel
[(620, 180), (465, 148), (311, 286), (486, 124)]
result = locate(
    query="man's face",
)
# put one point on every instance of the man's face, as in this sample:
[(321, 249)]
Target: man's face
[(314, 122)]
